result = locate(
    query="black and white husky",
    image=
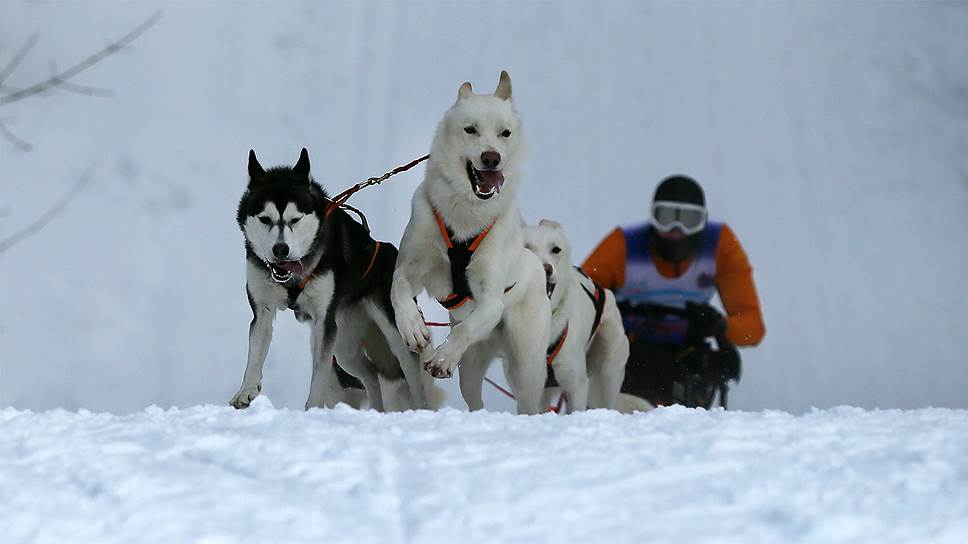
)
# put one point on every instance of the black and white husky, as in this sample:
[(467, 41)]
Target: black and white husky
[(303, 255)]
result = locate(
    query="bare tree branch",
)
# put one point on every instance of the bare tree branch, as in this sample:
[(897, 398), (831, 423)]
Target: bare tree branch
[(74, 87), (14, 139), (62, 77), (52, 212), (19, 57)]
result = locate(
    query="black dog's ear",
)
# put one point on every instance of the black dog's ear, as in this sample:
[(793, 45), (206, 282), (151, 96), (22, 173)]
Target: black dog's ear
[(256, 172), (301, 170)]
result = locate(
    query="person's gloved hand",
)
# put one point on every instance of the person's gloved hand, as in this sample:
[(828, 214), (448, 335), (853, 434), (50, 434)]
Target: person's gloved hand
[(729, 361), (704, 321)]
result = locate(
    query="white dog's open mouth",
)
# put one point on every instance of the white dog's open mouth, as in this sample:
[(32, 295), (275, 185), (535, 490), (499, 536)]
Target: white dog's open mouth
[(550, 288), (486, 183), (283, 271)]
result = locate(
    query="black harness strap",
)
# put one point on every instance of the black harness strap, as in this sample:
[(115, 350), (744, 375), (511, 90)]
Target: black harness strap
[(598, 301), (551, 354), (459, 254)]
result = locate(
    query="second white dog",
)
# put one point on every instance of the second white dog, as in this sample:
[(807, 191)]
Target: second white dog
[(588, 348)]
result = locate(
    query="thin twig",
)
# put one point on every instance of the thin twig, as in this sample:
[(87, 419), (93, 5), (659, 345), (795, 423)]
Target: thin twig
[(51, 213), (19, 56), (74, 87), (86, 90), (90, 61), (24, 145)]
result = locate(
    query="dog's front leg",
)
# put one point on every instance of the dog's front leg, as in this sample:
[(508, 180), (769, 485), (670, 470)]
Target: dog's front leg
[(570, 372), (260, 335), (476, 326), (409, 319), (322, 340)]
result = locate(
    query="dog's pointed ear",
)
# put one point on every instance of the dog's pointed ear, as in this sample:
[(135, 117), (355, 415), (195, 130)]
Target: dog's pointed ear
[(550, 224), (465, 90), (256, 172), (301, 170), (503, 90)]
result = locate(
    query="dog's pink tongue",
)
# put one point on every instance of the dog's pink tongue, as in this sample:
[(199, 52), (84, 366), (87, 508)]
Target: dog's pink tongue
[(294, 267), (492, 179)]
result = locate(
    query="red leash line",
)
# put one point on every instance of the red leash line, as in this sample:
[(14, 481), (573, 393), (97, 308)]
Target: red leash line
[(499, 388), (341, 198)]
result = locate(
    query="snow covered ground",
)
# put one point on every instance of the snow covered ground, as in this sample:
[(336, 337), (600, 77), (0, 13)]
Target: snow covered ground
[(211, 474)]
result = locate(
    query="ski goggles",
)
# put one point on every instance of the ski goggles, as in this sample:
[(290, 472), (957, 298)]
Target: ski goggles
[(667, 215)]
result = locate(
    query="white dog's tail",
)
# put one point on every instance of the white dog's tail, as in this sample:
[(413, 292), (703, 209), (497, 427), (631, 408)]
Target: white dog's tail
[(627, 404)]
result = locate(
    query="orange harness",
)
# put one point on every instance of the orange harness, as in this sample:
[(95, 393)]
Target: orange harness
[(598, 301), (555, 347), (459, 253)]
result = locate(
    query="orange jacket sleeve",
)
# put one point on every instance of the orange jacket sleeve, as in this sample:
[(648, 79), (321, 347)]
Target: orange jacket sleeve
[(734, 278), (606, 264)]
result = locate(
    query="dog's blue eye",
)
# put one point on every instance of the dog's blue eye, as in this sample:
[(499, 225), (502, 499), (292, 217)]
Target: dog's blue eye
[(556, 250), (265, 220), (506, 133), (470, 130)]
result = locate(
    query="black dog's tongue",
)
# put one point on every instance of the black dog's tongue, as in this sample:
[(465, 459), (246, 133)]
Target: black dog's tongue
[(490, 179), (293, 267)]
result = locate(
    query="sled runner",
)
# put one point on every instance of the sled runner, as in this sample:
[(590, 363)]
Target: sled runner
[(695, 373)]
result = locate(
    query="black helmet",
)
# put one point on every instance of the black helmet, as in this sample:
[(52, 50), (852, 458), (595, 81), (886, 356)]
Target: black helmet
[(680, 188), (686, 191)]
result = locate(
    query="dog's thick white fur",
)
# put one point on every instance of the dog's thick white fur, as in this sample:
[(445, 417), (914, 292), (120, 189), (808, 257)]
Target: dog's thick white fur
[(510, 323), (590, 365)]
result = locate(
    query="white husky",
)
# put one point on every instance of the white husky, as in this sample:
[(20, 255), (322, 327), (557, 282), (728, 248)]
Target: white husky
[(587, 336), (463, 245)]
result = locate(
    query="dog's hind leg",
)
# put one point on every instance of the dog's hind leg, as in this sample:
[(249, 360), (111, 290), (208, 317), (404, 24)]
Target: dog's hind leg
[(526, 337), (471, 373), (322, 341), (350, 356), (409, 361), (607, 357)]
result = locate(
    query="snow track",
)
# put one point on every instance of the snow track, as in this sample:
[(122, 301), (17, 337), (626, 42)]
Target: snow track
[(210, 474)]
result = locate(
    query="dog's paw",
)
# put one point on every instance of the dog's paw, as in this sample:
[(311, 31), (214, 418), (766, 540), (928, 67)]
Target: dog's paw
[(443, 362), (414, 331), (245, 396)]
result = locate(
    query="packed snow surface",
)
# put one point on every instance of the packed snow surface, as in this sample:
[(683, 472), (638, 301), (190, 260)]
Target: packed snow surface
[(831, 136), (212, 474)]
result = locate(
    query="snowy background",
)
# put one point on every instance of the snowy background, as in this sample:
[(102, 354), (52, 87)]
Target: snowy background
[(833, 137)]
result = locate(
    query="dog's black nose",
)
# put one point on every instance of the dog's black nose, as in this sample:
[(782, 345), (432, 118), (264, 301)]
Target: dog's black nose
[(281, 250), (490, 159), (548, 269)]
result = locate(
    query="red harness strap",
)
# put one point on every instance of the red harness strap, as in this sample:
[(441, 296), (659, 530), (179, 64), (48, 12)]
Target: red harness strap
[(376, 250), (555, 347), (552, 354)]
